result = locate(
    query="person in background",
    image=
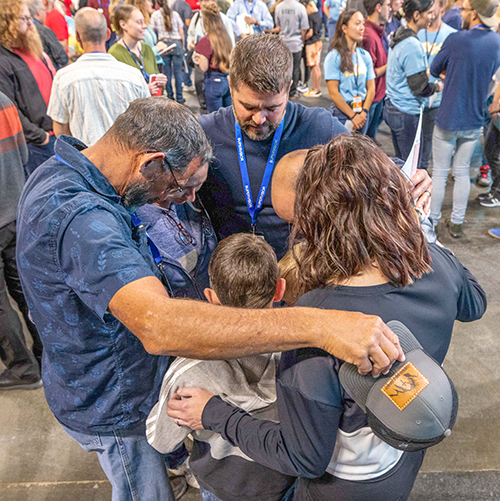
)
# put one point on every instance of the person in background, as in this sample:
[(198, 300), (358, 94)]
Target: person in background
[(151, 38), (129, 24), (213, 51), (378, 12), (195, 33), (51, 45), (453, 17), (22, 366), (432, 39), (470, 58), (57, 23), (349, 72), (103, 6), (26, 79), (332, 10), (292, 24), (406, 78), (88, 95), (394, 21), (184, 10), (250, 16), (313, 48), (170, 28)]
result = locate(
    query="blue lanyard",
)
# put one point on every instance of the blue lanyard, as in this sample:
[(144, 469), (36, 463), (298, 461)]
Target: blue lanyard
[(253, 7), (356, 69), (429, 53), (139, 63), (480, 26), (253, 209)]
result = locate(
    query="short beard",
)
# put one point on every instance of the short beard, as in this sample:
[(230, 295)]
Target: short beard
[(137, 194), (30, 42), (466, 24), (267, 128)]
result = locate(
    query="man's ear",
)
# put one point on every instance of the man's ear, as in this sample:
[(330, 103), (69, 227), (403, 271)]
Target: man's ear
[(78, 39), (280, 290), (211, 296), (108, 34)]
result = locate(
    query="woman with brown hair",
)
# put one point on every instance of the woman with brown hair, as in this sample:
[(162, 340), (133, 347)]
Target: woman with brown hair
[(213, 51), (170, 28), (361, 249)]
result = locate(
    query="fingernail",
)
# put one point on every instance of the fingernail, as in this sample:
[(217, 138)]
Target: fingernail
[(386, 372), (378, 375)]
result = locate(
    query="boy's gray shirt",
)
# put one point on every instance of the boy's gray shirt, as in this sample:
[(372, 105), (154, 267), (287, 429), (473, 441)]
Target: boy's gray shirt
[(291, 17), (249, 383)]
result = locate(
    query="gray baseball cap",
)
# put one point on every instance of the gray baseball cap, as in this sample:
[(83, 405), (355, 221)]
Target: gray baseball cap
[(486, 11), (411, 408)]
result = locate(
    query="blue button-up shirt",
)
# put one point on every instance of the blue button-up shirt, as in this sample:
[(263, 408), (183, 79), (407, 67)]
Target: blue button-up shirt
[(257, 9), (76, 248)]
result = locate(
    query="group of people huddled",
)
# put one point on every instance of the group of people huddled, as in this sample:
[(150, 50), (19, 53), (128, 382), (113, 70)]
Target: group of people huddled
[(196, 287)]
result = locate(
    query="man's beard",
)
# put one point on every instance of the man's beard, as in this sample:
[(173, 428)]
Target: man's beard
[(30, 42), (466, 23), (263, 131), (137, 194)]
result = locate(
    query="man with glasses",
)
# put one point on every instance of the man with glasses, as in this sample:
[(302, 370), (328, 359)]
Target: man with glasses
[(95, 285), (26, 79)]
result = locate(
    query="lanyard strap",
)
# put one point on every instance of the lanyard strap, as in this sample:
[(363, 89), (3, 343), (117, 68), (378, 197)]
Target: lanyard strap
[(480, 26), (356, 69), (253, 209), (139, 63), (250, 13), (429, 53)]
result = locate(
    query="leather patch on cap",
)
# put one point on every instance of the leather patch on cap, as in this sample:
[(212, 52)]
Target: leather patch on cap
[(404, 386)]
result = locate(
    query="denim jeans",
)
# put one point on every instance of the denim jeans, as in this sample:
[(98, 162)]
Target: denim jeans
[(13, 351), (427, 130), (331, 26), (374, 118), (136, 471), (39, 155), (492, 152), (403, 130), (174, 61), (217, 92), (445, 145), (343, 118)]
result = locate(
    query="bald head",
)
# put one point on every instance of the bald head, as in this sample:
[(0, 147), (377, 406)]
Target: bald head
[(284, 181), (91, 27)]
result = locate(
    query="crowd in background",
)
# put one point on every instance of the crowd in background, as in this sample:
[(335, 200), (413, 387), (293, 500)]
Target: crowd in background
[(69, 73)]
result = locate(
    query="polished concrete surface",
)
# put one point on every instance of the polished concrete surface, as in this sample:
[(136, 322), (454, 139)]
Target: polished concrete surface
[(38, 461)]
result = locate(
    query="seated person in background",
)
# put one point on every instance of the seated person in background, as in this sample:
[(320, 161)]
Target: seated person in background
[(243, 273), (361, 249), (183, 234)]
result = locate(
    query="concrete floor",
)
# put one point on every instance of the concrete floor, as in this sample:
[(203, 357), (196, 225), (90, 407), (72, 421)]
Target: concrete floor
[(39, 462)]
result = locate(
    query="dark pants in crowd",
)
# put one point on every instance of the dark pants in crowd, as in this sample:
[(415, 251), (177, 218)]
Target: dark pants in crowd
[(13, 351), (217, 94), (427, 129), (199, 83), (403, 129), (297, 56), (38, 155), (307, 69), (331, 26), (492, 152), (172, 64), (374, 118)]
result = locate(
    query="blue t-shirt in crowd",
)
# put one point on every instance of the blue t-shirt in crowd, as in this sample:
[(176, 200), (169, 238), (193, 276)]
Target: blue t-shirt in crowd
[(470, 59), (76, 249), (405, 59), (223, 194), (453, 18), (335, 8), (432, 43), (390, 28), (350, 84)]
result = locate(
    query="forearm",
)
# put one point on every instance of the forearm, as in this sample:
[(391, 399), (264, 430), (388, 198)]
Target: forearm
[(61, 129), (380, 70), (420, 86), (340, 103), (370, 94)]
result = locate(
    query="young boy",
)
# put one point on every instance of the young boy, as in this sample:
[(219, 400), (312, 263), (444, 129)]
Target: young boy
[(243, 273)]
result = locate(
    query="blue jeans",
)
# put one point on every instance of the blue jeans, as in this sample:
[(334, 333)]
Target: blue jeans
[(217, 92), (136, 471), (445, 145), (38, 155), (174, 61), (343, 118), (331, 26), (403, 130), (375, 118)]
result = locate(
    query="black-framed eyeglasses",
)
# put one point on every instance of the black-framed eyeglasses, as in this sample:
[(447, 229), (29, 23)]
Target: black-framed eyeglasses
[(184, 235), (166, 163), (26, 19)]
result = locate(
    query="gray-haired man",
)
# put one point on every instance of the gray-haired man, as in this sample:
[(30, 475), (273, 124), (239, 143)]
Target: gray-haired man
[(95, 292)]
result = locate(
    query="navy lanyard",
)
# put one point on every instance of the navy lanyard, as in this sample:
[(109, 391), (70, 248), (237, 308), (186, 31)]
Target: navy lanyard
[(433, 43), (253, 7), (139, 63), (253, 209), (356, 68)]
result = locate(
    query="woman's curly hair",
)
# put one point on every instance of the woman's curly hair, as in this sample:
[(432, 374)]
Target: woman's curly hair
[(352, 210)]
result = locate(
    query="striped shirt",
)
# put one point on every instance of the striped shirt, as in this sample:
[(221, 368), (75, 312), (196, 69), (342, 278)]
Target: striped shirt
[(158, 24), (89, 94), (13, 155)]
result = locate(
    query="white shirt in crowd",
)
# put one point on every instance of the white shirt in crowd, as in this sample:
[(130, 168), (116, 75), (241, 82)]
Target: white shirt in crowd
[(89, 94), (197, 31)]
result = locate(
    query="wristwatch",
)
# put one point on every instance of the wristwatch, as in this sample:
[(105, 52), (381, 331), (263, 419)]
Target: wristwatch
[(365, 110)]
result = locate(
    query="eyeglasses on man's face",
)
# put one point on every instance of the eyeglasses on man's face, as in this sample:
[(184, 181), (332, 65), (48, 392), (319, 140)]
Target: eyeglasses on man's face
[(26, 19)]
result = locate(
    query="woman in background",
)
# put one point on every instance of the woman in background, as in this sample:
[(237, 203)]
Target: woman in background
[(213, 52)]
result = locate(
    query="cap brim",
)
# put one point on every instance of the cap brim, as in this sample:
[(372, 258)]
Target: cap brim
[(491, 22), (359, 386)]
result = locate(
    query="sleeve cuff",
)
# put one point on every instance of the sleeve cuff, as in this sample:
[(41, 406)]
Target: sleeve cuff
[(216, 413)]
